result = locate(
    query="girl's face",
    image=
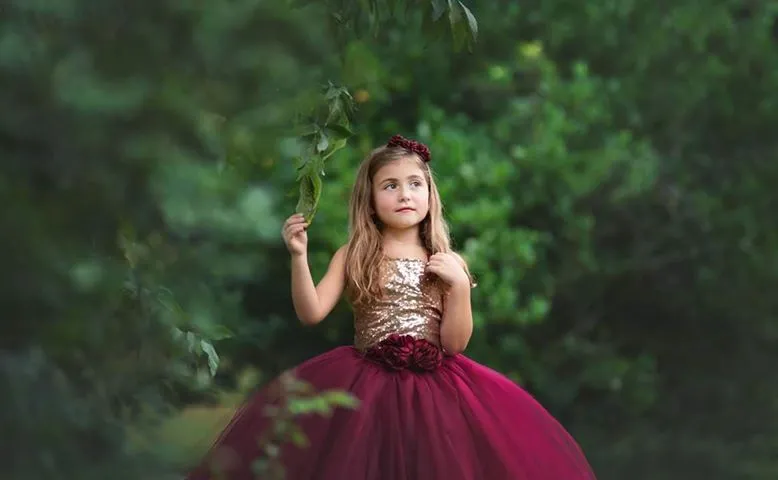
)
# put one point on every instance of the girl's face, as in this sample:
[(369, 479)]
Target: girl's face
[(401, 194)]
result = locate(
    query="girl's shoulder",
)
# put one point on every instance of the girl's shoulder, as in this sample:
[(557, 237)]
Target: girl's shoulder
[(459, 258), (340, 254), (463, 262)]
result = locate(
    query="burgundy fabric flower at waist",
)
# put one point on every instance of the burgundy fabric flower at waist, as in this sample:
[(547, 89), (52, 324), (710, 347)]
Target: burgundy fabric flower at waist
[(400, 352)]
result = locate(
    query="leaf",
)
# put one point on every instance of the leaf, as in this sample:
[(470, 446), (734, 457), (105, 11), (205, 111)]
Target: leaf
[(332, 92), (341, 399), (219, 332), (472, 23), (323, 143), (310, 191), (299, 439), (305, 131), (317, 404), (434, 29), (454, 14), (191, 342), (336, 110), (339, 131), (439, 7), (334, 147), (458, 29), (213, 357)]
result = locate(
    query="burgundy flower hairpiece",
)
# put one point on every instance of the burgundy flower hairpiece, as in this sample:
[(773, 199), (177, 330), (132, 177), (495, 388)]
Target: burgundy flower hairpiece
[(410, 145)]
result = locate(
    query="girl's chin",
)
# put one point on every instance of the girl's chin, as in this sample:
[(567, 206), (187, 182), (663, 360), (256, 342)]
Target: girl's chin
[(402, 225)]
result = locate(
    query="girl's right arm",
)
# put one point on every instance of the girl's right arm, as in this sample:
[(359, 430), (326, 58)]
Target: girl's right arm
[(313, 303)]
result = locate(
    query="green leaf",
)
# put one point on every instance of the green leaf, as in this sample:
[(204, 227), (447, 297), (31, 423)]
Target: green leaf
[(458, 30), (299, 439), (323, 143), (310, 191), (472, 23), (341, 399), (213, 357), (339, 131), (191, 342), (305, 131), (335, 111), (334, 147), (439, 7), (219, 332), (317, 404)]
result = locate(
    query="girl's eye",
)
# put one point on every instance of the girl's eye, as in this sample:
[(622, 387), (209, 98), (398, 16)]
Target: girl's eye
[(389, 185)]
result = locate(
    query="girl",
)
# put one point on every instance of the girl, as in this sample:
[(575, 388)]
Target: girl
[(426, 411)]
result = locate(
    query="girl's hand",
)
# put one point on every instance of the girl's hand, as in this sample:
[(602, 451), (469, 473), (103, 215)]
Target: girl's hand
[(295, 235), (449, 269)]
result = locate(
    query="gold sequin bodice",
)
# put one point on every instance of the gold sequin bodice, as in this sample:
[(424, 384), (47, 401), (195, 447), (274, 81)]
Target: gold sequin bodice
[(412, 305)]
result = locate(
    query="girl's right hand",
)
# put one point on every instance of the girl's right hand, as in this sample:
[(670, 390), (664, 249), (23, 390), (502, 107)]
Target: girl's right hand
[(295, 236)]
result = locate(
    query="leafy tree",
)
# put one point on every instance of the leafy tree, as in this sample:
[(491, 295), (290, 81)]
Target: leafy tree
[(607, 172), (137, 142)]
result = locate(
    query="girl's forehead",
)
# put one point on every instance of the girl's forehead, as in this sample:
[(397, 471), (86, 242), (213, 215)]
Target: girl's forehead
[(402, 168)]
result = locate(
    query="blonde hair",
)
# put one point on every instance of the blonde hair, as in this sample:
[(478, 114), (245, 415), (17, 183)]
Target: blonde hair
[(365, 255)]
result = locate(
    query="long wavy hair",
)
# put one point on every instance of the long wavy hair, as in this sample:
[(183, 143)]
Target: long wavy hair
[(365, 254)]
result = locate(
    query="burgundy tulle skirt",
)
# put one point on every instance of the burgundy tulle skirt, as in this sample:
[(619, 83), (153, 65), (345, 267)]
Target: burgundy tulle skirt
[(459, 421)]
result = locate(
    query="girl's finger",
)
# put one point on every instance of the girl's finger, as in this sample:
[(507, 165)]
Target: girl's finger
[(296, 224)]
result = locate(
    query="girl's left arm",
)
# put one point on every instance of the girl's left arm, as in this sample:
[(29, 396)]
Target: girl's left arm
[(456, 328)]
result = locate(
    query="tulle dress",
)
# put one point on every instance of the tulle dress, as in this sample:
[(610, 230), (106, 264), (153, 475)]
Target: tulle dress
[(422, 415)]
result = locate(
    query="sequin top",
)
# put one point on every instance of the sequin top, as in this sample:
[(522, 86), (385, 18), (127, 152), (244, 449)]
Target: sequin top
[(412, 305)]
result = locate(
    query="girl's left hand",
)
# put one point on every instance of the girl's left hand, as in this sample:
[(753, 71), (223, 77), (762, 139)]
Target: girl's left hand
[(448, 268)]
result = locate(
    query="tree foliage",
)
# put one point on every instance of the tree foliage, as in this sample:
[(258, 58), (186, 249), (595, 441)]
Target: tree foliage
[(613, 199), (607, 170), (136, 154)]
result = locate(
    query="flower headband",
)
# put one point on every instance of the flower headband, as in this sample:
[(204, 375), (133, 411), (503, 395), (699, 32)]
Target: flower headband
[(411, 146)]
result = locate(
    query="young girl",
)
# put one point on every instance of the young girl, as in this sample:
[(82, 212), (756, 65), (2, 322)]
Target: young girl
[(426, 411)]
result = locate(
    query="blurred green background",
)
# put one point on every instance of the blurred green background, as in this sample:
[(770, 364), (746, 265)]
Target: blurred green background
[(608, 170)]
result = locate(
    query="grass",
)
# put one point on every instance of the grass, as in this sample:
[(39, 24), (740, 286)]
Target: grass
[(185, 437)]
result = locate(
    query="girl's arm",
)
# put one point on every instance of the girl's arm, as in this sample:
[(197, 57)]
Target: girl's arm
[(456, 327), (312, 303)]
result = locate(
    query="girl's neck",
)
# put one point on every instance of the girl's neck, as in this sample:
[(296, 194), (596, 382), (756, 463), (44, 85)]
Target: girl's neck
[(403, 244), (406, 237)]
